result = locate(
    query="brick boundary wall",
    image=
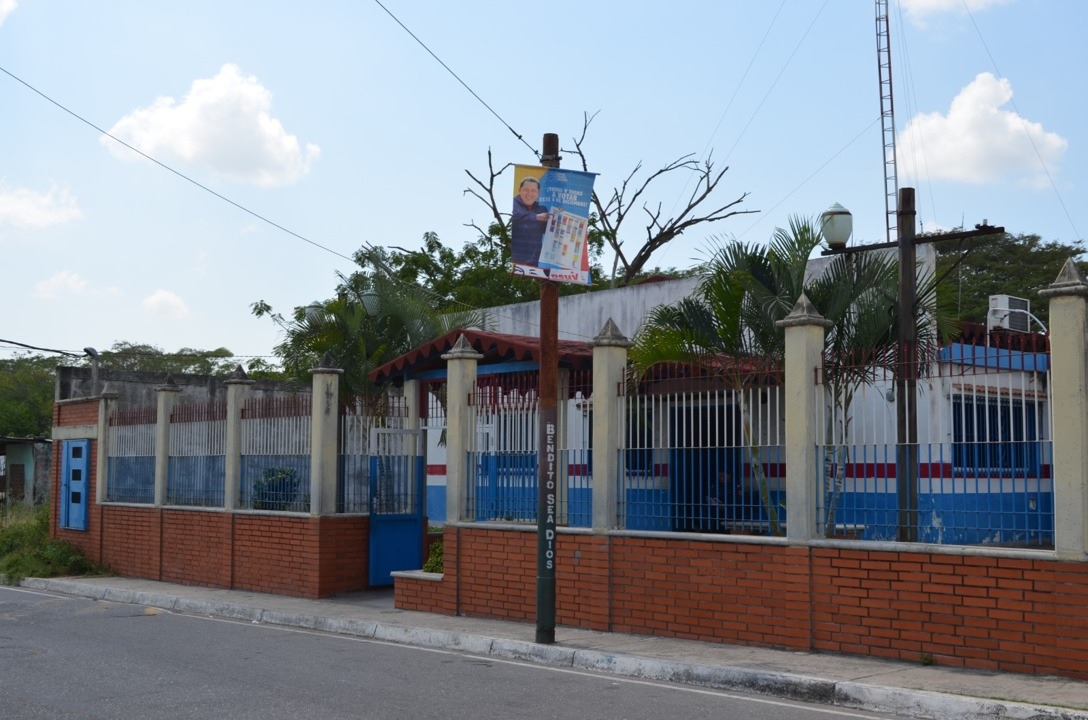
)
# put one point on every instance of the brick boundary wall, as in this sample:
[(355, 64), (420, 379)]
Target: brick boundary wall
[(300, 556), (1003, 613)]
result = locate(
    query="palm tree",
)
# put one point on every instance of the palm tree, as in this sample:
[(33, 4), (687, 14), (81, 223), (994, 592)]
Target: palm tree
[(745, 289)]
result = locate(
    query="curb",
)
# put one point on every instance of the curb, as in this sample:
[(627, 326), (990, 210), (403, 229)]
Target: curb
[(802, 688)]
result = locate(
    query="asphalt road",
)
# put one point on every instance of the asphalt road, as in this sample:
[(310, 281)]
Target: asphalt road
[(64, 657)]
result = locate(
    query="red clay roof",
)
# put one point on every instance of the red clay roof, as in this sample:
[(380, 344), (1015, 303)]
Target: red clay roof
[(496, 347)]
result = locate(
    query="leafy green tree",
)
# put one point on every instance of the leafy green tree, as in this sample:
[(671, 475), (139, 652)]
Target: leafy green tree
[(139, 357), (26, 395), (746, 289), (1019, 265), (374, 317)]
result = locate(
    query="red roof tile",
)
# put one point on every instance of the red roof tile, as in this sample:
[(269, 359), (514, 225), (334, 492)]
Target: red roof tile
[(496, 347)]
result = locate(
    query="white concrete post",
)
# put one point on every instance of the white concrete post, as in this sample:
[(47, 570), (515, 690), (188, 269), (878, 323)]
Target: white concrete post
[(1069, 393), (323, 434), (609, 367), (106, 406), (460, 425), (238, 387), (412, 422), (805, 329), (165, 395)]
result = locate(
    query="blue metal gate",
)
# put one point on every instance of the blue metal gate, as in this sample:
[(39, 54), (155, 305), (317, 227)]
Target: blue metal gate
[(74, 483), (397, 476)]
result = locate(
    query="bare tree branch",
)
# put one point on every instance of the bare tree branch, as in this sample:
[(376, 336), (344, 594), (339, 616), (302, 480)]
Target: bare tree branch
[(488, 189), (630, 194)]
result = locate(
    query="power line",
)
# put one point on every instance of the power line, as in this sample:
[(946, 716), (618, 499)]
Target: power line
[(1027, 130), (42, 349), (18, 345), (813, 174), (262, 218), (166, 167), (456, 77)]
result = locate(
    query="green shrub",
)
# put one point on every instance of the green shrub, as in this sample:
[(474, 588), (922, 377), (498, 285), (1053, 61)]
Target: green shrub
[(276, 489), (27, 551), (434, 558)]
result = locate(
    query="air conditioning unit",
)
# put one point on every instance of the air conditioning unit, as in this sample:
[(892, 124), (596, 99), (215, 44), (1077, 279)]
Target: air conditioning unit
[(1009, 313)]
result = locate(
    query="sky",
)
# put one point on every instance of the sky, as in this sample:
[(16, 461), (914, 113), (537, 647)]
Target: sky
[(283, 136)]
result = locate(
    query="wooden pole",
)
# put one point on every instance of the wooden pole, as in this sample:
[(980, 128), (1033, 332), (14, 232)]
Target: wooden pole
[(547, 455)]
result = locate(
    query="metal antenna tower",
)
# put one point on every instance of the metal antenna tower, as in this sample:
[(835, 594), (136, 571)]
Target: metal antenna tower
[(887, 117)]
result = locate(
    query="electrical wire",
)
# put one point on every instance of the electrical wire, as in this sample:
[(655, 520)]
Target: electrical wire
[(729, 103), (456, 77), (777, 77), (42, 349), (15, 346), (919, 143), (813, 174), (262, 218), (1027, 130)]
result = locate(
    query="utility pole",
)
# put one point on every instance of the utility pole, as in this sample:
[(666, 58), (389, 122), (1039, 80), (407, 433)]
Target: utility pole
[(906, 372), (547, 454), (908, 358)]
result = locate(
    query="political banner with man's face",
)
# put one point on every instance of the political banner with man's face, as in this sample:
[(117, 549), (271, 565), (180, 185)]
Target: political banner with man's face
[(550, 223)]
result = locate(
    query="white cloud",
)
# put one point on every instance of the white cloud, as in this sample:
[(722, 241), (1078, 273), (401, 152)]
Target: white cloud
[(64, 282), (67, 282), (919, 10), (978, 142), (7, 7), (25, 208), (165, 304), (224, 124)]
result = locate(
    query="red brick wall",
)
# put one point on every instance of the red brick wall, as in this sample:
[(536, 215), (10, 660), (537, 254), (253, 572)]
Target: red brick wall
[(131, 538), (996, 613), (300, 556), (76, 413), (89, 541), (345, 555), (196, 548)]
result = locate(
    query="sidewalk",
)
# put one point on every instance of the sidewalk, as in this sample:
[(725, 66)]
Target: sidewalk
[(881, 686)]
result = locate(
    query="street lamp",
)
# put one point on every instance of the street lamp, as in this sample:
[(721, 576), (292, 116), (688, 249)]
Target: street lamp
[(907, 360), (836, 225)]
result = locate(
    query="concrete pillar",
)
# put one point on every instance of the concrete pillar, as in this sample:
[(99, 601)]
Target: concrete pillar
[(106, 405), (238, 387), (461, 363), (1068, 296), (805, 329), (323, 437), (165, 396), (609, 367)]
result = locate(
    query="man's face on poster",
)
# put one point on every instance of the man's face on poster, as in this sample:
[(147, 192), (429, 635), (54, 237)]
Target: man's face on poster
[(529, 192)]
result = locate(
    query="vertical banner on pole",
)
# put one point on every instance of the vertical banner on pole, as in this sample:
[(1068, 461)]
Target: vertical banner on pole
[(549, 226)]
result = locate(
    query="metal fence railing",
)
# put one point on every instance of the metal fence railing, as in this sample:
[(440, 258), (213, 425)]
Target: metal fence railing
[(503, 459), (130, 467), (975, 470), (702, 449), (276, 454), (196, 468), (357, 420)]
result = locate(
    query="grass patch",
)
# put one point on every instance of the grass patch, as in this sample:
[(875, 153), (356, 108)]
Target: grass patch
[(27, 551), (434, 559)]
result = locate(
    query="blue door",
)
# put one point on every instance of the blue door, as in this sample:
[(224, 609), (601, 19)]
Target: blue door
[(74, 483), (397, 476)]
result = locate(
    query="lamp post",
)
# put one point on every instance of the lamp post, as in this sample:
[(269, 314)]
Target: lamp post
[(907, 357), (836, 225)]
